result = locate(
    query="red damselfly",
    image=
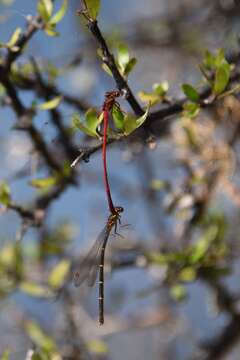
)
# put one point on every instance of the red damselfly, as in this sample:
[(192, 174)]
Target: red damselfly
[(110, 100), (94, 261)]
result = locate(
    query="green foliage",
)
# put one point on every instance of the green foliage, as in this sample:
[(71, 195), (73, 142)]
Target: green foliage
[(51, 104), (55, 242), (190, 92), (39, 338), (124, 62), (45, 10), (45, 183), (89, 125), (191, 110), (5, 195), (159, 93), (5, 355), (57, 178), (218, 65), (157, 185), (118, 117), (92, 8), (131, 123), (58, 274), (178, 292), (11, 44), (203, 257), (11, 266), (97, 347), (34, 289)]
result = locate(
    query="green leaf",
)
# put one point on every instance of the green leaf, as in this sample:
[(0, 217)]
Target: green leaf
[(123, 56), (178, 292), (209, 60), (158, 185), (14, 39), (129, 66), (79, 125), (199, 250), (58, 274), (191, 110), (60, 14), (51, 104), (93, 8), (5, 196), (92, 120), (107, 69), (39, 337), (44, 183), (190, 92), (118, 117), (187, 274), (45, 9), (5, 355), (34, 289), (97, 346), (219, 58), (222, 77), (50, 30), (161, 88), (153, 98), (131, 123)]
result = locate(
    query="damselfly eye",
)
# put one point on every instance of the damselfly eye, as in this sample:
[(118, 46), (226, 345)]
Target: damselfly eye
[(119, 209)]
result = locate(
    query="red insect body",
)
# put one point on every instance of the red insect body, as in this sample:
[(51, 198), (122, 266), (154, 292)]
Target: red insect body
[(107, 107)]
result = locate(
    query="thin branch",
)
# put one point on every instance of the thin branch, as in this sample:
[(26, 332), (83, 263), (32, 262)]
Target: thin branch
[(109, 60)]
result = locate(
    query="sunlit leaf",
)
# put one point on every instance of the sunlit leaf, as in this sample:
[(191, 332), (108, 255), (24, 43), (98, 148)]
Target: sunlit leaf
[(5, 355), (97, 346), (93, 8), (118, 117), (58, 274), (149, 97), (143, 118), (44, 183), (222, 77), (5, 195), (191, 110), (178, 292), (123, 56), (60, 13), (45, 9), (187, 274), (161, 88), (38, 337), (34, 289), (79, 125), (200, 248), (190, 92), (14, 39), (209, 60), (51, 104), (107, 69), (11, 258), (50, 30), (158, 185), (131, 123), (92, 120), (129, 66)]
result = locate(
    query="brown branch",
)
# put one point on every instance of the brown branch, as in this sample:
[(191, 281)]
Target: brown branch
[(109, 60)]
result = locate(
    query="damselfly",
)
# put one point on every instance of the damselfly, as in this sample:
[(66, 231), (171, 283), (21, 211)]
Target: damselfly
[(94, 261), (110, 100)]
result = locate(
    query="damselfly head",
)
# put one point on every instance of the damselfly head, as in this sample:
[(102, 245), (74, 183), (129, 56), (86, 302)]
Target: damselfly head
[(119, 209)]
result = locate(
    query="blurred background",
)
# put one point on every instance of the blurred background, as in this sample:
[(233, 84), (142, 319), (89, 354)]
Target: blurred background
[(172, 278)]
